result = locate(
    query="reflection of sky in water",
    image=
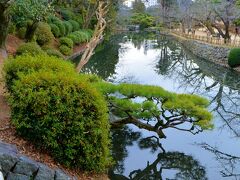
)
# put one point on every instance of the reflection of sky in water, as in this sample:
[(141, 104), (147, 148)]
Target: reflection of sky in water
[(138, 65)]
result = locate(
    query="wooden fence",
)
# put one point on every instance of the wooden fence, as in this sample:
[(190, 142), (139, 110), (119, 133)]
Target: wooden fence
[(209, 39)]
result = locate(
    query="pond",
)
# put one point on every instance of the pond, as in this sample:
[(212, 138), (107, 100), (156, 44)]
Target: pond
[(147, 58)]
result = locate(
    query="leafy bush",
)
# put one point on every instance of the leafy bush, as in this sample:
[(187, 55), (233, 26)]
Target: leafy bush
[(54, 52), (75, 25), (234, 57), (44, 35), (29, 48), (66, 41), (68, 27), (65, 50), (55, 30), (65, 115), (61, 27), (79, 36), (22, 32), (26, 64), (12, 28), (67, 14), (142, 19)]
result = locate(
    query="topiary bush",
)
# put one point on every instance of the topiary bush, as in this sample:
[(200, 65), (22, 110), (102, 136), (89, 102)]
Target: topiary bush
[(43, 34), (55, 30), (54, 52), (68, 27), (75, 25), (26, 64), (67, 14), (65, 115), (234, 57), (29, 48), (21, 32), (61, 27), (79, 36), (65, 50), (66, 41)]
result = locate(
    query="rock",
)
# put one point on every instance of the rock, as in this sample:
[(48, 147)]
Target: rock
[(26, 166), (44, 173), (12, 176), (60, 175), (8, 157)]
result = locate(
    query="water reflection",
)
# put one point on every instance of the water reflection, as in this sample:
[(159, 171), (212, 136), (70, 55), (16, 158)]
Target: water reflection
[(182, 166), (166, 63)]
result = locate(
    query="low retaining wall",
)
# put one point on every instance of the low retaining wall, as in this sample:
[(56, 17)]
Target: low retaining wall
[(214, 53), (15, 166)]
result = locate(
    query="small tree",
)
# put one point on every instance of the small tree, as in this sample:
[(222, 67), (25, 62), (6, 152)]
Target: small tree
[(31, 12)]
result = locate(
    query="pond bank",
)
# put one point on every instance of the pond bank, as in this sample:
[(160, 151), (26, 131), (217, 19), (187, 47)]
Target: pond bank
[(214, 53)]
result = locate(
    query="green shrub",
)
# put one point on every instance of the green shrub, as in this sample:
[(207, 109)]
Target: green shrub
[(67, 14), (54, 52), (12, 28), (79, 36), (43, 34), (26, 64), (29, 48), (22, 32), (234, 57), (75, 25), (65, 50), (66, 41), (73, 37), (64, 115), (55, 30), (61, 27), (68, 27)]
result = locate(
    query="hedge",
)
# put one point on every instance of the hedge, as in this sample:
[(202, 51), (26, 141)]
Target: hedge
[(29, 48), (26, 64), (234, 57), (44, 35)]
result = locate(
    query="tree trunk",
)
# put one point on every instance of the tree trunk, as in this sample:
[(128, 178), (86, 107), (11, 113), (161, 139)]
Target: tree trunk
[(31, 28), (97, 35), (4, 22)]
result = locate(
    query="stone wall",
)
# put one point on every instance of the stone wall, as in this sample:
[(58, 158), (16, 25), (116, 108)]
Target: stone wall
[(15, 166), (214, 53)]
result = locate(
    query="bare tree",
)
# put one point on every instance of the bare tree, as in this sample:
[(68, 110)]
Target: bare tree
[(101, 13)]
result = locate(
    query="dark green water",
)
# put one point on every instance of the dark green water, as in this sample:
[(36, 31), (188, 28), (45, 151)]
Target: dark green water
[(159, 60)]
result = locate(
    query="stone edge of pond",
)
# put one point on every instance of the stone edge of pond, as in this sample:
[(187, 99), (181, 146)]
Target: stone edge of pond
[(14, 165), (214, 53)]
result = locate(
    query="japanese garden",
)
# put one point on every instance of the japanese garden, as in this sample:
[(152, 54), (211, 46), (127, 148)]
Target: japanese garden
[(119, 89)]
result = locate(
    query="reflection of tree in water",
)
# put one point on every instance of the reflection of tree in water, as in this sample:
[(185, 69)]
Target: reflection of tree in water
[(105, 58), (220, 85), (230, 163), (184, 165)]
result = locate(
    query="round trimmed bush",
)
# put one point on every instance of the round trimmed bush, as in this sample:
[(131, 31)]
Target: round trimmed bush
[(61, 27), (75, 25), (73, 37), (68, 27), (234, 57), (43, 34), (21, 32), (12, 28), (65, 50), (55, 30), (66, 41), (31, 48), (65, 115), (67, 14), (26, 64), (54, 52)]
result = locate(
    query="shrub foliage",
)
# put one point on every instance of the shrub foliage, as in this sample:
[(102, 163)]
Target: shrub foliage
[(30, 48), (234, 57), (44, 34), (59, 111)]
